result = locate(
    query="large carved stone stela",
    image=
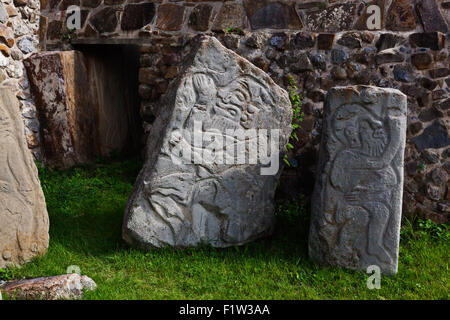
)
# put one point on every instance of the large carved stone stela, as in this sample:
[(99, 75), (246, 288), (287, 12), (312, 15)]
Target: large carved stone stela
[(23, 215)]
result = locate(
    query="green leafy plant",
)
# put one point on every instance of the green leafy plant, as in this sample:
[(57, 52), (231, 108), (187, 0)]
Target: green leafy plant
[(6, 274), (435, 231), (69, 35), (415, 228), (421, 167), (297, 115), (234, 30)]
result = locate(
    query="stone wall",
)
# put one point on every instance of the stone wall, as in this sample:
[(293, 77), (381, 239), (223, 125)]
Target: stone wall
[(19, 24), (320, 43)]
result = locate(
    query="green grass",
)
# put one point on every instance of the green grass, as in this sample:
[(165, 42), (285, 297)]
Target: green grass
[(86, 207)]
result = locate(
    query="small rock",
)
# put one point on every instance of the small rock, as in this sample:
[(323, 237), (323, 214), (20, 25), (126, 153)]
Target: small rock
[(388, 40), (430, 156), (200, 16), (63, 287), (339, 56), (415, 127), (389, 56), (400, 16), (303, 63), (421, 60), (26, 45), (431, 40), (350, 40), (439, 73), (3, 14), (338, 73), (403, 73), (428, 83), (302, 41), (325, 41), (255, 41), (430, 16), (435, 136), (279, 41), (319, 61)]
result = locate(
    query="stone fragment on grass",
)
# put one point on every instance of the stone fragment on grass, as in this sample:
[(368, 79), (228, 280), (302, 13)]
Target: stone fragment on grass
[(63, 287)]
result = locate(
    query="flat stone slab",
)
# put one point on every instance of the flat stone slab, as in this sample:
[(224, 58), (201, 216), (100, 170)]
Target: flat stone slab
[(357, 200), (205, 179), (63, 287), (23, 212)]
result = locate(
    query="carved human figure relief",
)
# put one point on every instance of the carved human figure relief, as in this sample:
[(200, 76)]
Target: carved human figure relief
[(23, 213), (202, 180), (357, 199)]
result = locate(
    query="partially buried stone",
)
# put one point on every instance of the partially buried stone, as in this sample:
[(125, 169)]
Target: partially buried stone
[(357, 200), (63, 287), (23, 213), (206, 179)]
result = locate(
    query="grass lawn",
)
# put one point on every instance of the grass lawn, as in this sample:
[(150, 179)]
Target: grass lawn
[(86, 207)]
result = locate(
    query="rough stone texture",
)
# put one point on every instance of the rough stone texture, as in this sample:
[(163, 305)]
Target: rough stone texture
[(432, 40), (200, 16), (63, 287), (170, 17), (18, 30), (400, 16), (135, 16), (272, 14), (105, 20), (357, 200), (60, 88), (335, 18), (23, 213), (178, 203), (430, 16), (231, 15), (79, 99)]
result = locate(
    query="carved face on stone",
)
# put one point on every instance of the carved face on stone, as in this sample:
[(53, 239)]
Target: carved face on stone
[(373, 137), (358, 129)]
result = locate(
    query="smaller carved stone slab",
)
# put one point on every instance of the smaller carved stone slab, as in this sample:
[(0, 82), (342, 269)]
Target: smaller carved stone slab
[(357, 200)]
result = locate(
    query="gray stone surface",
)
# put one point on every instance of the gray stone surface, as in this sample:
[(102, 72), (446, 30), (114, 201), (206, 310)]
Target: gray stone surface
[(357, 200), (23, 213), (180, 203)]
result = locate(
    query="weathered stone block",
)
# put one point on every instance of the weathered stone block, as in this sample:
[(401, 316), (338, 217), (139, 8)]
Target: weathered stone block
[(335, 18), (325, 41), (430, 16), (193, 189), (357, 200), (135, 16), (105, 20), (432, 40), (434, 136), (170, 17), (23, 213), (400, 16), (200, 16), (79, 99), (231, 15), (272, 14)]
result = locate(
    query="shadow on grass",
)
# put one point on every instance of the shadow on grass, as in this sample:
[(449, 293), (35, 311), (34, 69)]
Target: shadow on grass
[(86, 207)]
